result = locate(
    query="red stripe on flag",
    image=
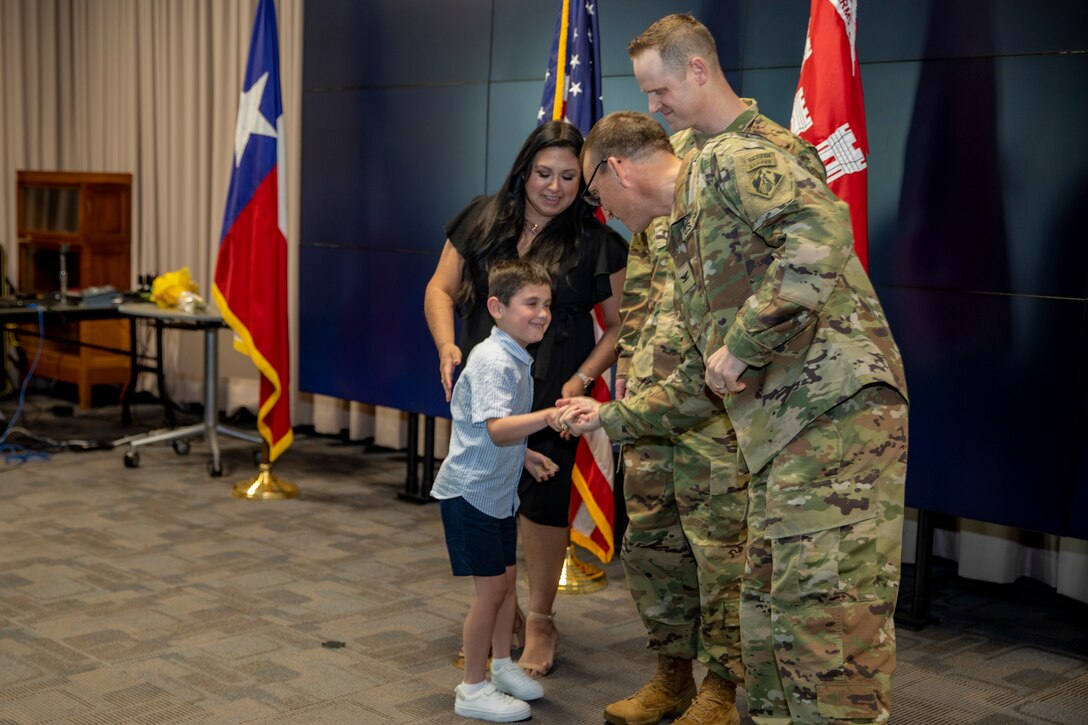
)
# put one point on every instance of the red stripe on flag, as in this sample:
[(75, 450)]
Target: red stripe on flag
[(251, 292), (592, 478)]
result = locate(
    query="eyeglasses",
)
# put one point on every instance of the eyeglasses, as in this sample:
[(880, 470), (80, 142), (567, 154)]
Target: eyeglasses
[(591, 197)]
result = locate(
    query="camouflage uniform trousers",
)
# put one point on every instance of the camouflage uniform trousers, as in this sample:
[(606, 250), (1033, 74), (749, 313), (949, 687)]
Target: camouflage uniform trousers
[(822, 573), (683, 552)]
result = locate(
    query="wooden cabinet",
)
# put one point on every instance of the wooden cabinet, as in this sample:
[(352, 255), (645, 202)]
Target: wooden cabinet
[(75, 231)]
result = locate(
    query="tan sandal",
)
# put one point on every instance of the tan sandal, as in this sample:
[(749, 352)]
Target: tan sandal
[(459, 660), (541, 669), (517, 641)]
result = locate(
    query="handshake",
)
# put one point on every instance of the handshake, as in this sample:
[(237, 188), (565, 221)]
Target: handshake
[(574, 416)]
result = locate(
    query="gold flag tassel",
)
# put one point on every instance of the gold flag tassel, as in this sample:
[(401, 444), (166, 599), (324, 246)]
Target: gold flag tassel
[(266, 486)]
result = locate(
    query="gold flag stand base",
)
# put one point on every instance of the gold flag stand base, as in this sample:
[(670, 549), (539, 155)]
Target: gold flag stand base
[(578, 577), (265, 487)]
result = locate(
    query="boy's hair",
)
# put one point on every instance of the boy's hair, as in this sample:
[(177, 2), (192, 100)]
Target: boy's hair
[(510, 275), (677, 38)]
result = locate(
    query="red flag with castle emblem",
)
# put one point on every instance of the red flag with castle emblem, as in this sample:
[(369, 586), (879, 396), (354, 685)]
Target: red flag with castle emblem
[(829, 109)]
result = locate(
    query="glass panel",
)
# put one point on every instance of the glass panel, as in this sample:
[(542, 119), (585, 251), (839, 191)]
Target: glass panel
[(51, 208)]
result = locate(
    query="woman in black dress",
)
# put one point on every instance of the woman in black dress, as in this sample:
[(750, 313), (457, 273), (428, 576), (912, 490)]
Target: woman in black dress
[(538, 214)]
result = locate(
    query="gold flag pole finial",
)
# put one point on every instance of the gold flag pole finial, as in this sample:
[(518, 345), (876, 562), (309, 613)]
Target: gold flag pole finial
[(266, 486)]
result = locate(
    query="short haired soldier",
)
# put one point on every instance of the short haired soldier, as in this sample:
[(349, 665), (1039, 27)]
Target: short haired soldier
[(683, 552), (788, 330)]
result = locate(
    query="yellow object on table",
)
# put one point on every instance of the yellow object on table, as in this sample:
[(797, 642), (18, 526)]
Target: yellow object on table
[(176, 289)]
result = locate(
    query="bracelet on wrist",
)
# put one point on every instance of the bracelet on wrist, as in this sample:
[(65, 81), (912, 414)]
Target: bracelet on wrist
[(586, 380)]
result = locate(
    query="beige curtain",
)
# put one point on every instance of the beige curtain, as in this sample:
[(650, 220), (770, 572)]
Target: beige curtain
[(148, 87)]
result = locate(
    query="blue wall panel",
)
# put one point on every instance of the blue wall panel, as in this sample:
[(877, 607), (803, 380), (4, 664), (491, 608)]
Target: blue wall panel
[(362, 319), (388, 166), (983, 441), (351, 44)]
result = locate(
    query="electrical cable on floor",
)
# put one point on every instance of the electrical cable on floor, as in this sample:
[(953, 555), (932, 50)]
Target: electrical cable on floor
[(21, 453)]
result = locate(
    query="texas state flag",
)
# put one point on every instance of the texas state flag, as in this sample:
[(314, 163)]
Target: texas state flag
[(250, 285)]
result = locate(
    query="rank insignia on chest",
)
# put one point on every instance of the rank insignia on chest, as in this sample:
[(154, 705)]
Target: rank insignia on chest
[(689, 225), (764, 182), (685, 277)]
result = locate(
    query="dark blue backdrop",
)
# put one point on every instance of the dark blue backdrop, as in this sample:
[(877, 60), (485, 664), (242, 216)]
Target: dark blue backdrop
[(975, 108)]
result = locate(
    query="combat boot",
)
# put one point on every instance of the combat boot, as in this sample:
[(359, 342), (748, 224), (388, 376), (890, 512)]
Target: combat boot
[(716, 703), (667, 694)]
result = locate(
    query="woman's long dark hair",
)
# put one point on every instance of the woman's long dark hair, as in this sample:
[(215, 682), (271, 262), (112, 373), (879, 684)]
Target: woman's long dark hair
[(495, 234)]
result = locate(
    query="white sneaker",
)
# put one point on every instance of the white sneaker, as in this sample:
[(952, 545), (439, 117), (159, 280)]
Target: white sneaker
[(490, 704), (511, 679)]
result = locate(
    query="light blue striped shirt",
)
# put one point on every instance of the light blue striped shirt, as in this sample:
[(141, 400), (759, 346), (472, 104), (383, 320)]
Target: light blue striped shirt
[(496, 383)]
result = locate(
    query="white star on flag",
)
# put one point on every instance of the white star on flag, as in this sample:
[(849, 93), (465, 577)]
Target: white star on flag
[(574, 63), (589, 8), (250, 119), (575, 88)]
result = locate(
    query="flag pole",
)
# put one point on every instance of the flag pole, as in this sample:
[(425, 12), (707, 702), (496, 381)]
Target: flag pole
[(572, 93), (266, 486), (250, 287)]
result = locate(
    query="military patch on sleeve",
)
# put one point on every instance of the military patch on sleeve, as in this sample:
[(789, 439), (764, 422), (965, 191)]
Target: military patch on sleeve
[(759, 161), (764, 182)]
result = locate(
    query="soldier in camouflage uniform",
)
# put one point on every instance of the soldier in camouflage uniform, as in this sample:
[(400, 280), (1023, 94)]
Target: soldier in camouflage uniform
[(790, 332), (683, 552)]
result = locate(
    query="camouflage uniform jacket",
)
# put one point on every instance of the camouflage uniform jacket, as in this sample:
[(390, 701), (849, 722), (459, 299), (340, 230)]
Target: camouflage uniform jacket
[(652, 338), (765, 265)]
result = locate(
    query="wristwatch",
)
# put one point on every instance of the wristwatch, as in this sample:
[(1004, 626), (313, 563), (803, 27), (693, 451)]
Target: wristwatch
[(586, 380)]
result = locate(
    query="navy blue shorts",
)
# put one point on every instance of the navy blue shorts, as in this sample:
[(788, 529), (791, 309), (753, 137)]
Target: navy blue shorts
[(479, 545)]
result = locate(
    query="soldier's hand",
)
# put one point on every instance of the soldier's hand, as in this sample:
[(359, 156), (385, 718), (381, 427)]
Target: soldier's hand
[(723, 372), (621, 388), (579, 414)]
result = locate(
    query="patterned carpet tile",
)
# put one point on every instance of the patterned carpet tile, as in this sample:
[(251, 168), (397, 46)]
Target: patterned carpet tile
[(151, 595)]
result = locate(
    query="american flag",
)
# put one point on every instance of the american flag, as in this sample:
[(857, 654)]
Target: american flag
[(579, 99), (250, 285), (572, 92), (829, 108)]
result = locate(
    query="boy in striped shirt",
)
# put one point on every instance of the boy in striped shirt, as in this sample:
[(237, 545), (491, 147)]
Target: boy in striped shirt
[(477, 485)]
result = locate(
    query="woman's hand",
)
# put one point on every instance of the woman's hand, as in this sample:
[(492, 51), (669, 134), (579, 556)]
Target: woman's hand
[(574, 387), (449, 357)]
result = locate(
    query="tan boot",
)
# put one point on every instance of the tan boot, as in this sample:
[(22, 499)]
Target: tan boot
[(668, 693), (716, 703)]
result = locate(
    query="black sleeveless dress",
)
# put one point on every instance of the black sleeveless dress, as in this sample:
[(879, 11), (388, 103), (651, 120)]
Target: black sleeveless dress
[(582, 282)]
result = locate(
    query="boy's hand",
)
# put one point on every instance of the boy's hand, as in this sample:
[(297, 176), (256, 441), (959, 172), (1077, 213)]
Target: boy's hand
[(539, 466), (551, 416)]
